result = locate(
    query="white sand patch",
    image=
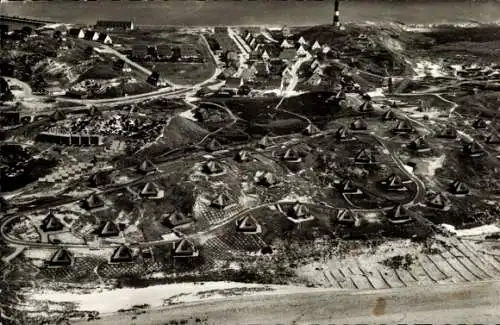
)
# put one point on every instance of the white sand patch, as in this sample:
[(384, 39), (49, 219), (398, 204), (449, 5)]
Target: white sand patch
[(428, 166), (109, 301), (292, 197), (419, 28), (189, 115), (409, 169), (371, 217), (476, 231), (427, 68), (378, 92), (170, 237)]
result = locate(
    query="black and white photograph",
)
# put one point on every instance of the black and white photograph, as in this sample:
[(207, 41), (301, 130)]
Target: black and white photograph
[(249, 162)]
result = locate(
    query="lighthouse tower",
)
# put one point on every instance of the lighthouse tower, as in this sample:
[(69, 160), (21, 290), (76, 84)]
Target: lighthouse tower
[(336, 14)]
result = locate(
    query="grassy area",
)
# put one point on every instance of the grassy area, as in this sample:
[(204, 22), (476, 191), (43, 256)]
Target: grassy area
[(183, 73)]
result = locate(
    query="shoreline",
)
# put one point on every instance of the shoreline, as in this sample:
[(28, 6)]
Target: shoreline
[(456, 24)]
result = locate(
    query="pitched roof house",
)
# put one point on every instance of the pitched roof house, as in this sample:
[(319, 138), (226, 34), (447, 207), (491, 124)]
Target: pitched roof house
[(60, 258), (459, 188), (302, 52), (347, 217), (220, 201), (51, 223), (364, 156), (76, 33), (91, 35), (177, 219), (348, 187), (104, 39), (184, 248), (248, 225), (108, 229), (316, 46), (122, 254), (286, 44), (393, 183), (439, 200), (302, 41), (398, 215), (212, 167)]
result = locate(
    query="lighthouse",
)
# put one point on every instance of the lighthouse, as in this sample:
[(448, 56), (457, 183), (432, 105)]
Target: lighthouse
[(336, 14)]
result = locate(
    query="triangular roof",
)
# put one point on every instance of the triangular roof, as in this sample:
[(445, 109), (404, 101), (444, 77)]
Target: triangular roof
[(184, 248), (147, 166), (266, 178), (58, 115), (122, 254), (213, 145), (398, 214), (242, 155), (51, 223), (220, 201), (342, 132), (94, 201), (492, 139), (212, 167), (346, 216), (459, 188), (311, 129), (265, 55), (359, 124), (286, 44), (298, 211), (347, 186), (177, 218), (394, 182), (479, 123), (302, 40), (316, 46), (108, 229), (99, 178), (61, 257), (150, 188), (247, 224), (366, 106), (302, 50), (403, 126), (364, 156), (419, 143), (265, 142), (439, 200), (473, 149), (291, 154), (448, 132)]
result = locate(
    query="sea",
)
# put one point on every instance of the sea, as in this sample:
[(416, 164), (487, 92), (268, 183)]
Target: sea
[(272, 13)]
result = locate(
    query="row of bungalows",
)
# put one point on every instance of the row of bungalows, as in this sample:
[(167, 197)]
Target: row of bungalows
[(70, 139), (89, 35), (115, 24), (290, 50), (164, 52)]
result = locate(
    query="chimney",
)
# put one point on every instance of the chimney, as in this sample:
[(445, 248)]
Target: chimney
[(336, 17)]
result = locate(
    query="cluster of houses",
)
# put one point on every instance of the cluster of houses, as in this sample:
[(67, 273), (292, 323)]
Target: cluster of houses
[(59, 137), (269, 59), (89, 35), (166, 53)]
